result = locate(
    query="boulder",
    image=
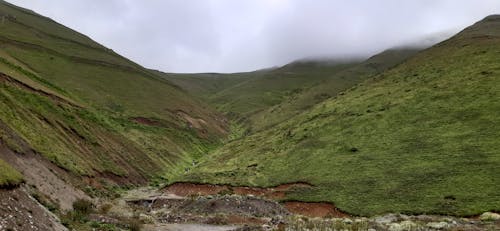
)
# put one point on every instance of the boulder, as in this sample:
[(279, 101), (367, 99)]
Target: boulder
[(408, 225), (438, 225), (395, 227), (487, 216), (387, 219)]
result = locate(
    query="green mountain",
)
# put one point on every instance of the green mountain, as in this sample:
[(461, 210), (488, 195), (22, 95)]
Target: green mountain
[(244, 94), (329, 86), (405, 131), (90, 111), (421, 137), (263, 98)]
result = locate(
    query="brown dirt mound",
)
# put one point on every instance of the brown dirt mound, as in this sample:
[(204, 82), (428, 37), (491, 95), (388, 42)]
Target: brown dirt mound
[(236, 205), (235, 219), (191, 189), (314, 209), (274, 193)]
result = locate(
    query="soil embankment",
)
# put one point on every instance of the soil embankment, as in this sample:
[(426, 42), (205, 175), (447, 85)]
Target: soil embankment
[(20, 211), (274, 193)]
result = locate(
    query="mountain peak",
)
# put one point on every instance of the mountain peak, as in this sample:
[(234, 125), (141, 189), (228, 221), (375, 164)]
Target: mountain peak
[(489, 26), (493, 17)]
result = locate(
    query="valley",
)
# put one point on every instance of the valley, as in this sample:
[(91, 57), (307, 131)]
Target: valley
[(406, 139)]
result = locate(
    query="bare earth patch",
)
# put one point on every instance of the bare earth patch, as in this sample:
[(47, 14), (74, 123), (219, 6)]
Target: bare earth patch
[(191, 189), (44, 176), (188, 227), (20, 211), (314, 209)]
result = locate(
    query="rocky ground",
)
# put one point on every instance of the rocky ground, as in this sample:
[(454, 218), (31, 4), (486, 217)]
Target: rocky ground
[(20, 211), (182, 208)]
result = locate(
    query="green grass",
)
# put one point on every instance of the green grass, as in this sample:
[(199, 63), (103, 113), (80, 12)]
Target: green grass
[(82, 97), (419, 138), (330, 86), (242, 94), (8, 175), (264, 98)]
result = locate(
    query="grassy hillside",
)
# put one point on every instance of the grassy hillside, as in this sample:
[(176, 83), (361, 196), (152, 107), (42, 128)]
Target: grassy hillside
[(204, 85), (243, 94), (91, 111), (330, 86), (419, 138), (8, 175), (266, 97)]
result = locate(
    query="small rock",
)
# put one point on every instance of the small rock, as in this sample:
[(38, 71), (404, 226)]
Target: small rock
[(371, 230), (347, 221), (145, 218), (438, 225), (404, 217), (447, 219), (389, 218), (408, 225), (266, 227), (395, 227), (488, 216)]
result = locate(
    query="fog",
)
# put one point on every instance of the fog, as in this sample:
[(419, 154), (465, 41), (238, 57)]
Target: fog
[(244, 35)]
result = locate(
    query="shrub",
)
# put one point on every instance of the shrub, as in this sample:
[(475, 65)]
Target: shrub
[(82, 206), (105, 208), (134, 224)]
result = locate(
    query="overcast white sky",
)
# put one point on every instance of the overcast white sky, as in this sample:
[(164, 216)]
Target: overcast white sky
[(243, 35)]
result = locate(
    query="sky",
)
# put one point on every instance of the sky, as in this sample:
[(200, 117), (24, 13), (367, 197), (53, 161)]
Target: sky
[(243, 35)]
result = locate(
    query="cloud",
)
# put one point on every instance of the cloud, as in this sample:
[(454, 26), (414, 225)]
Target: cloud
[(228, 36)]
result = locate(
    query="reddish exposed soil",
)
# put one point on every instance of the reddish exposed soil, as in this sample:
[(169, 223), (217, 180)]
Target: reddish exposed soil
[(275, 193), (235, 219), (190, 189), (314, 209)]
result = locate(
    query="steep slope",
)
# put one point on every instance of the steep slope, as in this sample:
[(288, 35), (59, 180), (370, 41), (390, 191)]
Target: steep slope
[(266, 97), (90, 111), (243, 94), (330, 87), (9, 176), (205, 85), (419, 138)]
